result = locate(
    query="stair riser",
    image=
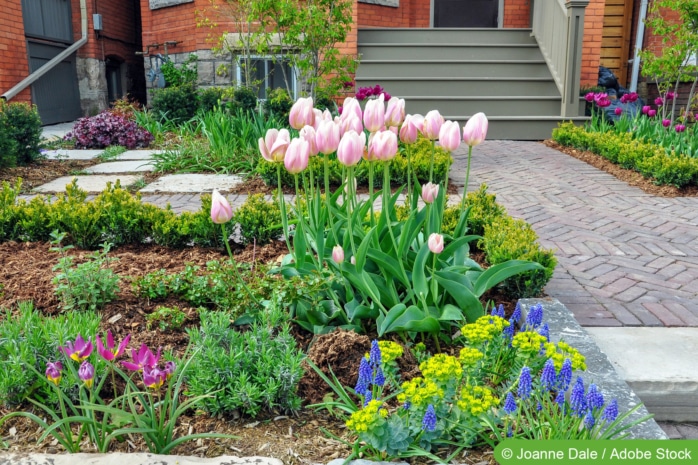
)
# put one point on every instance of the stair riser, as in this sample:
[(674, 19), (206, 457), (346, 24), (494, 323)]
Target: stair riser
[(425, 52), (491, 36), (462, 88), (476, 69), (489, 107), (519, 130)]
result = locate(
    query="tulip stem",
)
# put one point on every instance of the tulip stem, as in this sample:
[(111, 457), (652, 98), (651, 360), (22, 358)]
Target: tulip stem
[(370, 191), (467, 176), (301, 221), (389, 221), (282, 205), (431, 164), (327, 198), (235, 266), (352, 193), (409, 172)]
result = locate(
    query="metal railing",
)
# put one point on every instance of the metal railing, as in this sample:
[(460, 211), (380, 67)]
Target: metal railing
[(558, 26)]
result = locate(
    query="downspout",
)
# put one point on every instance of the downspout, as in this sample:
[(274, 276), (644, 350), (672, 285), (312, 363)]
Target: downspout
[(46, 67), (639, 38)]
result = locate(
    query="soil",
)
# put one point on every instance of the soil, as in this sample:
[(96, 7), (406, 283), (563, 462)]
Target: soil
[(292, 438), (632, 178), (43, 171)]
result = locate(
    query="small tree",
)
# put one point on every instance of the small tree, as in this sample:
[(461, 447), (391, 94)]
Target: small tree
[(676, 21)]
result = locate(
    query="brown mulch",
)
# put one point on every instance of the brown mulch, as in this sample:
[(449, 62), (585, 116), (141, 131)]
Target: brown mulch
[(43, 171), (632, 178)]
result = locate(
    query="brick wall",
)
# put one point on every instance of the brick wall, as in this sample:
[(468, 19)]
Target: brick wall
[(591, 46), (517, 13), (14, 65), (410, 13)]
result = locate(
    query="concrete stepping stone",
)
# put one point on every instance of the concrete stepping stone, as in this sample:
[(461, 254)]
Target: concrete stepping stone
[(96, 183), (128, 166), (64, 154), (659, 364), (138, 155), (196, 183)]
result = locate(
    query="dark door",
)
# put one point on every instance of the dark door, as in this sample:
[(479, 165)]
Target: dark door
[(48, 30), (466, 13)]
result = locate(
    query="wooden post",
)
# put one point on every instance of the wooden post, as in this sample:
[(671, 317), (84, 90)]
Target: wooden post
[(573, 65)]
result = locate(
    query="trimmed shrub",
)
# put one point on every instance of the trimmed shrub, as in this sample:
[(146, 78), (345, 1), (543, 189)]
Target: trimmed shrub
[(105, 129), (210, 98), (23, 125), (259, 220), (278, 104), (177, 104), (8, 146)]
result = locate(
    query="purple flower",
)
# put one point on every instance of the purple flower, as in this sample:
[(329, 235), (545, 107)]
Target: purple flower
[(170, 368), (365, 374), (429, 420), (560, 399), (564, 378), (670, 96), (375, 354), (544, 331), (578, 399), (368, 398), (624, 98), (645, 109), (594, 397), (154, 377), (379, 379), (535, 316), (652, 113), (610, 413), (143, 359), (86, 372), (680, 128), (603, 102), (407, 405), (658, 101), (498, 311), (54, 372), (666, 123), (509, 404), (589, 97), (589, 420), (618, 111), (524, 390), (108, 353), (516, 316), (79, 350), (547, 376)]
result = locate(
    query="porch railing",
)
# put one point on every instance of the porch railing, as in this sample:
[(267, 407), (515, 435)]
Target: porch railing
[(558, 26)]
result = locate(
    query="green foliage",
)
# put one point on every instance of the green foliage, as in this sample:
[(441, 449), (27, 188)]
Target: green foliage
[(259, 220), (87, 286), (20, 123), (177, 104), (506, 238), (29, 339), (210, 98), (249, 371), (112, 152), (650, 160), (186, 73), (278, 103), (166, 318), (245, 99)]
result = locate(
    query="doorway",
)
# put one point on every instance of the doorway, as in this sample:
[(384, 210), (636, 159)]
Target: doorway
[(466, 13)]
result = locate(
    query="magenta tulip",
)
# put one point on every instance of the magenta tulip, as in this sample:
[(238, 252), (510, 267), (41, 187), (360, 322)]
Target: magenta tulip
[(142, 359), (297, 156), (374, 114), (658, 101), (221, 211), (432, 124), (351, 148), (409, 131), (670, 95), (338, 254), (327, 137), (86, 372), (475, 130), (154, 377), (666, 123), (309, 134), (646, 109), (652, 113), (680, 128), (429, 192), (170, 368), (589, 97), (78, 351), (618, 111), (603, 102), (302, 113), (109, 352), (395, 113), (273, 146), (449, 136), (382, 146), (436, 243), (54, 372)]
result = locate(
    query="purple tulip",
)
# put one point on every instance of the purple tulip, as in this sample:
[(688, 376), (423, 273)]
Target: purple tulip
[(645, 109), (86, 372), (154, 377), (142, 358), (589, 97), (670, 96), (652, 113), (108, 353), (79, 350), (680, 128), (170, 368), (618, 111), (666, 123), (658, 101), (54, 372)]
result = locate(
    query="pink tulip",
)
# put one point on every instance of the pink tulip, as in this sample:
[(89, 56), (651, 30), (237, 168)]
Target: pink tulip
[(589, 97), (351, 123), (670, 95), (302, 113), (449, 136), (78, 351), (618, 111), (221, 211), (109, 352), (338, 254), (645, 109), (154, 377), (680, 128), (395, 113), (351, 148), (432, 124), (273, 146), (409, 131), (436, 243), (652, 113), (383, 145), (429, 192), (603, 102), (351, 107), (327, 137), (374, 114), (666, 123), (309, 135), (297, 156), (475, 130)]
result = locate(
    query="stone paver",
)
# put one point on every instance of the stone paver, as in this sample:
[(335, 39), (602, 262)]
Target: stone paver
[(127, 166), (138, 154), (625, 257), (65, 154), (89, 183), (193, 183)]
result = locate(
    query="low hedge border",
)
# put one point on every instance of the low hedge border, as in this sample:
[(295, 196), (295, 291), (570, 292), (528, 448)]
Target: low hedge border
[(649, 160)]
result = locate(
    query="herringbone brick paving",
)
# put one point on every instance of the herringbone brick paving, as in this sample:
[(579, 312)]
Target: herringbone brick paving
[(626, 258)]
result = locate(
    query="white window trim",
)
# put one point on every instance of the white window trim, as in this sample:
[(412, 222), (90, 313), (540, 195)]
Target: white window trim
[(267, 59)]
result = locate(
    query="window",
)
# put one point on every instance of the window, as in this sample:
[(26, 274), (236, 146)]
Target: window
[(268, 74)]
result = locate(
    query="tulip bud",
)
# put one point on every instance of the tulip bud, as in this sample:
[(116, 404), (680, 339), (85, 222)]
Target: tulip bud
[(432, 124), (86, 372), (297, 155), (302, 113), (221, 212), (327, 137), (436, 243), (395, 113), (618, 111), (54, 372), (273, 146), (351, 107), (658, 101), (666, 123), (309, 135), (351, 148), (170, 368), (409, 131), (429, 192), (382, 146), (374, 114), (680, 128), (338, 254), (652, 113), (475, 130), (449, 136), (645, 109)]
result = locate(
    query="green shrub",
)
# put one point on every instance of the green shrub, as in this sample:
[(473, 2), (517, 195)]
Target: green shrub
[(506, 238), (166, 318), (8, 210), (242, 99), (278, 104), (186, 73), (31, 339), (177, 104), (23, 125), (259, 220), (245, 371), (210, 98), (8, 146), (650, 160)]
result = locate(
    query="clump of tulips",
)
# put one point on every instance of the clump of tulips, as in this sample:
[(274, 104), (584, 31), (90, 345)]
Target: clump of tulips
[(386, 280)]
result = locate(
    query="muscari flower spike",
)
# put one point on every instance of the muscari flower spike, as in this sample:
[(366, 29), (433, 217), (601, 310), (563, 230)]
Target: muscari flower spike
[(594, 397), (544, 331), (375, 354), (379, 379), (498, 311), (564, 378), (547, 377), (578, 399), (524, 390), (509, 404), (560, 399), (365, 374), (368, 398), (516, 316), (407, 405), (589, 420), (429, 420), (610, 413), (535, 316)]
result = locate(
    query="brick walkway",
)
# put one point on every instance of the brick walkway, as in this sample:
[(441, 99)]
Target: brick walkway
[(626, 258)]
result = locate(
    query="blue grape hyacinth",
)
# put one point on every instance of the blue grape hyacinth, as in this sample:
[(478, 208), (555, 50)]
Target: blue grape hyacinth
[(524, 390), (510, 404), (535, 316), (577, 398), (594, 397), (429, 420), (548, 376), (375, 354), (610, 413), (589, 420), (564, 378), (365, 375)]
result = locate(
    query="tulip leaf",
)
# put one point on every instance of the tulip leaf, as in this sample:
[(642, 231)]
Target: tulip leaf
[(501, 271), (462, 226), (363, 248), (390, 266), (411, 230), (412, 318), (425, 325), (355, 310), (464, 297), (419, 278), (455, 276), (450, 312), (300, 245), (388, 320), (457, 244)]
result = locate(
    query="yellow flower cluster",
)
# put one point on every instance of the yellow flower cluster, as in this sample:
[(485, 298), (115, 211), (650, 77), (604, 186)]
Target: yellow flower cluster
[(470, 356), (390, 351), (362, 420), (528, 342), (442, 368), (476, 399), (420, 392), (562, 351), (484, 329)]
